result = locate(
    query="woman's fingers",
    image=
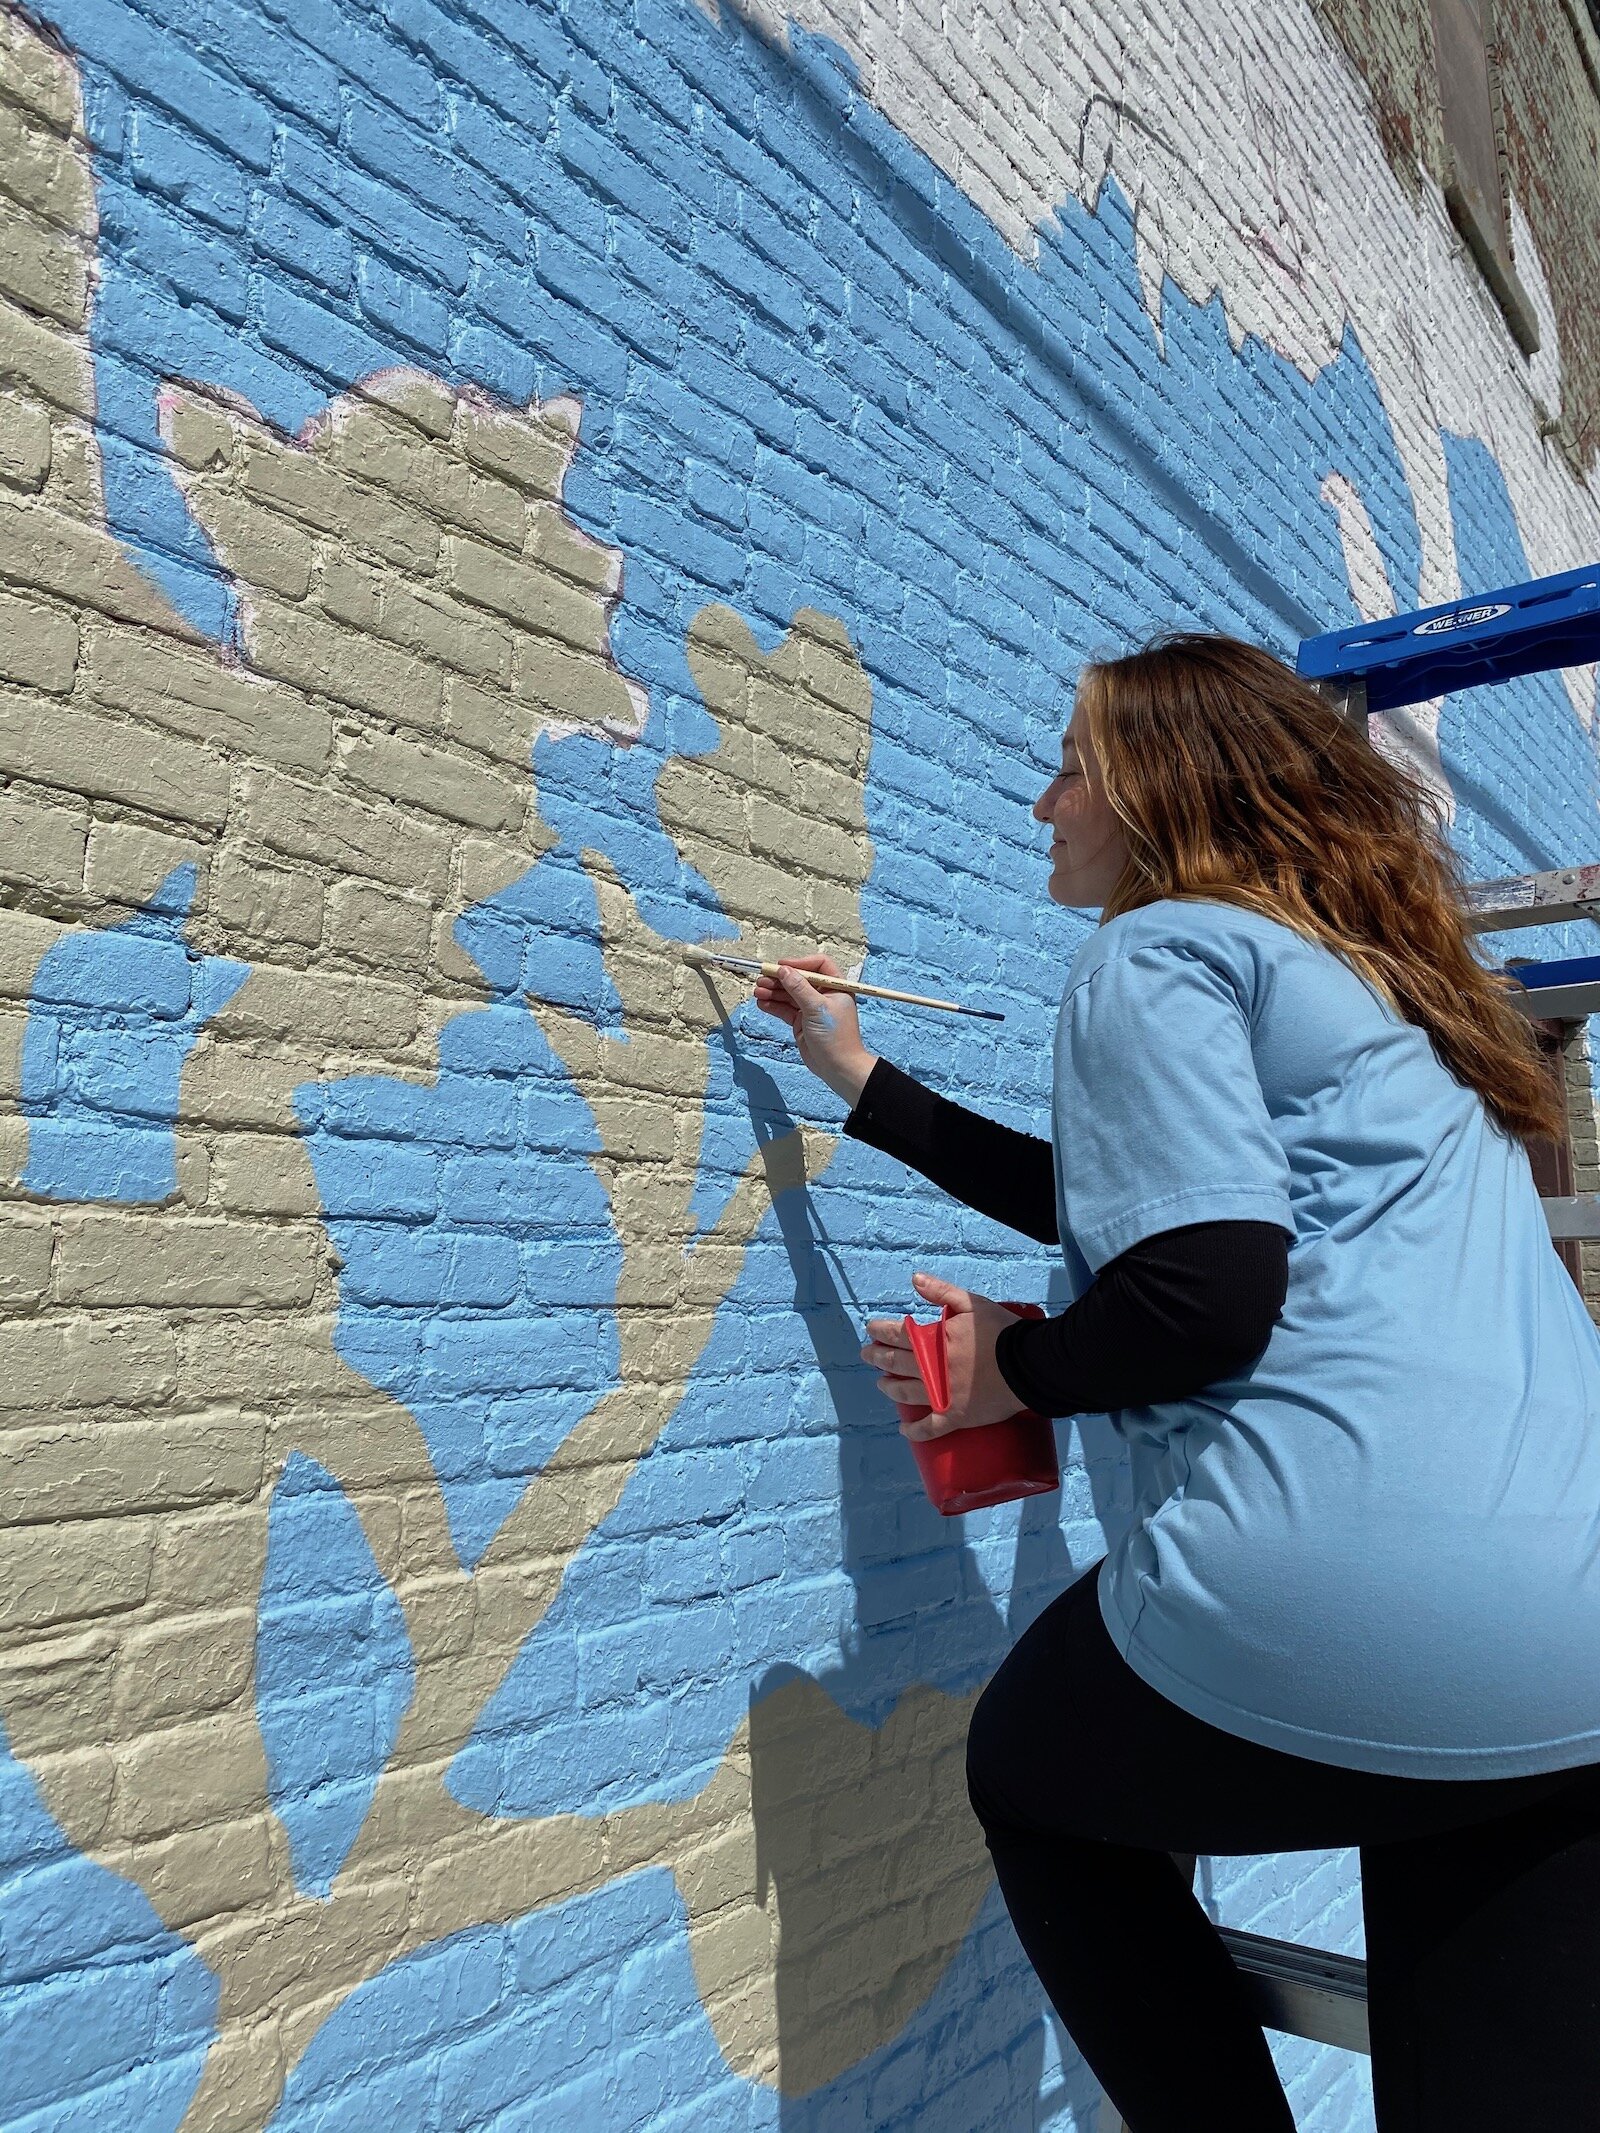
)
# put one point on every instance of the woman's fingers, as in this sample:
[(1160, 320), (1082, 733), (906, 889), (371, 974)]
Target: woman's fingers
[(772, 995), (888, 1350), (929, 1426), (935, 1289)]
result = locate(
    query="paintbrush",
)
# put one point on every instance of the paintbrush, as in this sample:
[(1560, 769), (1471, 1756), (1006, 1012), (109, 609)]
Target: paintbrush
[(824, 983)]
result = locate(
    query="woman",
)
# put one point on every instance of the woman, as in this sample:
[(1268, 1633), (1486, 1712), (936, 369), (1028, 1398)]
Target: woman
[(1359, 1599)]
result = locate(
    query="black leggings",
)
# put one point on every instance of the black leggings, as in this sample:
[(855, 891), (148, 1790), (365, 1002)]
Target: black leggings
[(1481, 1899)]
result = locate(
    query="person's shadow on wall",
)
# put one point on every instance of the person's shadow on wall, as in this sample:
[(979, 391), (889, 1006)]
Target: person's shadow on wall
[(867, 1850)]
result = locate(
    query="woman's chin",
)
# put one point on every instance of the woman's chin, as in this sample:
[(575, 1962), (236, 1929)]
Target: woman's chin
[(1073, 896)]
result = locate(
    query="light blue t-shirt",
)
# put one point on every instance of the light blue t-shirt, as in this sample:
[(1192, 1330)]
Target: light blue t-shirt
[(1379, 1544)]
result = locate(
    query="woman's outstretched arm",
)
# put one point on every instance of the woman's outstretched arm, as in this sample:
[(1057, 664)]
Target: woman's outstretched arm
[(1007, 1175)]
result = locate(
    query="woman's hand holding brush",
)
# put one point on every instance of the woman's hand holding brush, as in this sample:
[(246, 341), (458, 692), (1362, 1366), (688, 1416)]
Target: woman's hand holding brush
[(827, 1029)]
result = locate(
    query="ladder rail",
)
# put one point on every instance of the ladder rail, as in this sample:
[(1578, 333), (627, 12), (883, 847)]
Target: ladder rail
[(1313, 1993)]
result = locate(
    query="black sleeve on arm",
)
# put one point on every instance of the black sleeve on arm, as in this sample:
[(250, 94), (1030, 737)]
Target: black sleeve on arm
[(1007, 1175), (1170, 1315)]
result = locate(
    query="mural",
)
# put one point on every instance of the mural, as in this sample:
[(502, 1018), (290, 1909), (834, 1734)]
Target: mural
[(497, 498)]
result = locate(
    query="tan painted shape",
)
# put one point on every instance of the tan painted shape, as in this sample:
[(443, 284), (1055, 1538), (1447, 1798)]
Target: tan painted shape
[(786, 778), (415, 608), (868, 1872)]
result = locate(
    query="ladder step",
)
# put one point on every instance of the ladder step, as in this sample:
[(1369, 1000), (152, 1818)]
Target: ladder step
[(1572, 1220), (1487, 637), (1561, 991), (1559, 1003), (1306, 1992), (1534, 899)]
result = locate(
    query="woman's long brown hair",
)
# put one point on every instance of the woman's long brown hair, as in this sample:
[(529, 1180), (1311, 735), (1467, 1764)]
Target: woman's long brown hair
[(1236, 781)]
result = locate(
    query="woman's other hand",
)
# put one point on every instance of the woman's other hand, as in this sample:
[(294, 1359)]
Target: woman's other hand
[(827, 1030), (978, 1393)]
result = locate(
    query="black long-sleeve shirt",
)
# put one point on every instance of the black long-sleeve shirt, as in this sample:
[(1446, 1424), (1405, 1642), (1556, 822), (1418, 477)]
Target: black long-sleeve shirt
[(1173, 1313)]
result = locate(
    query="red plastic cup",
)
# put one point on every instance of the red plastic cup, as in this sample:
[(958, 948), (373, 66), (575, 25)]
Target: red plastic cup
[(966, 1469)]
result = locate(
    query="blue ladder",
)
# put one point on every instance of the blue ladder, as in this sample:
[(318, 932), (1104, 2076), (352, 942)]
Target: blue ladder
[(1494, 636)]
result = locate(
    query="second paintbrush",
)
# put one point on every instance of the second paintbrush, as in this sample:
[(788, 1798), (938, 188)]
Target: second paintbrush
[(824, 983)]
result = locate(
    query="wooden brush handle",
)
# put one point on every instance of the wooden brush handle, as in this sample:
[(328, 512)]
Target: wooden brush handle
[(824, 983)]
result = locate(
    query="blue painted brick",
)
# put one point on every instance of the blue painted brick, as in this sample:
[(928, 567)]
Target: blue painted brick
[(636, 182), (395, 304), (393, 1110), (129, 1072), (751, 1557), (166, 159), (377, 63), (848, 455), (106, 111), (792, 253), (387, 218), (673, 402), (779, 535), (541, 39), (318, 250), (200, 268), (492, 1354), (631, 59), (315, 1640), (568, 271), (772, 418), (329, 345), (116, 968), (392, 151), (279, 64), (724, 253), (684, 172), (644, 522), (48, 2051), (156, 65), (534, 1195), (53, 1922), (404, 1184), (391, 1265), (540, 321), (449, 46), (757, 169), (571, 1273), (683, 1492), (680, 1567), (711, 492), (510, 154), (639, 446), (555, 200)]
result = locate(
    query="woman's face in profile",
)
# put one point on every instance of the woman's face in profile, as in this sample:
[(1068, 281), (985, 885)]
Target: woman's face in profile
[(1087, 851)]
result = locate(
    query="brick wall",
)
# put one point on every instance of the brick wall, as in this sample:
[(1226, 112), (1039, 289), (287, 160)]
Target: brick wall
[(1547, 74), (488, 495)]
